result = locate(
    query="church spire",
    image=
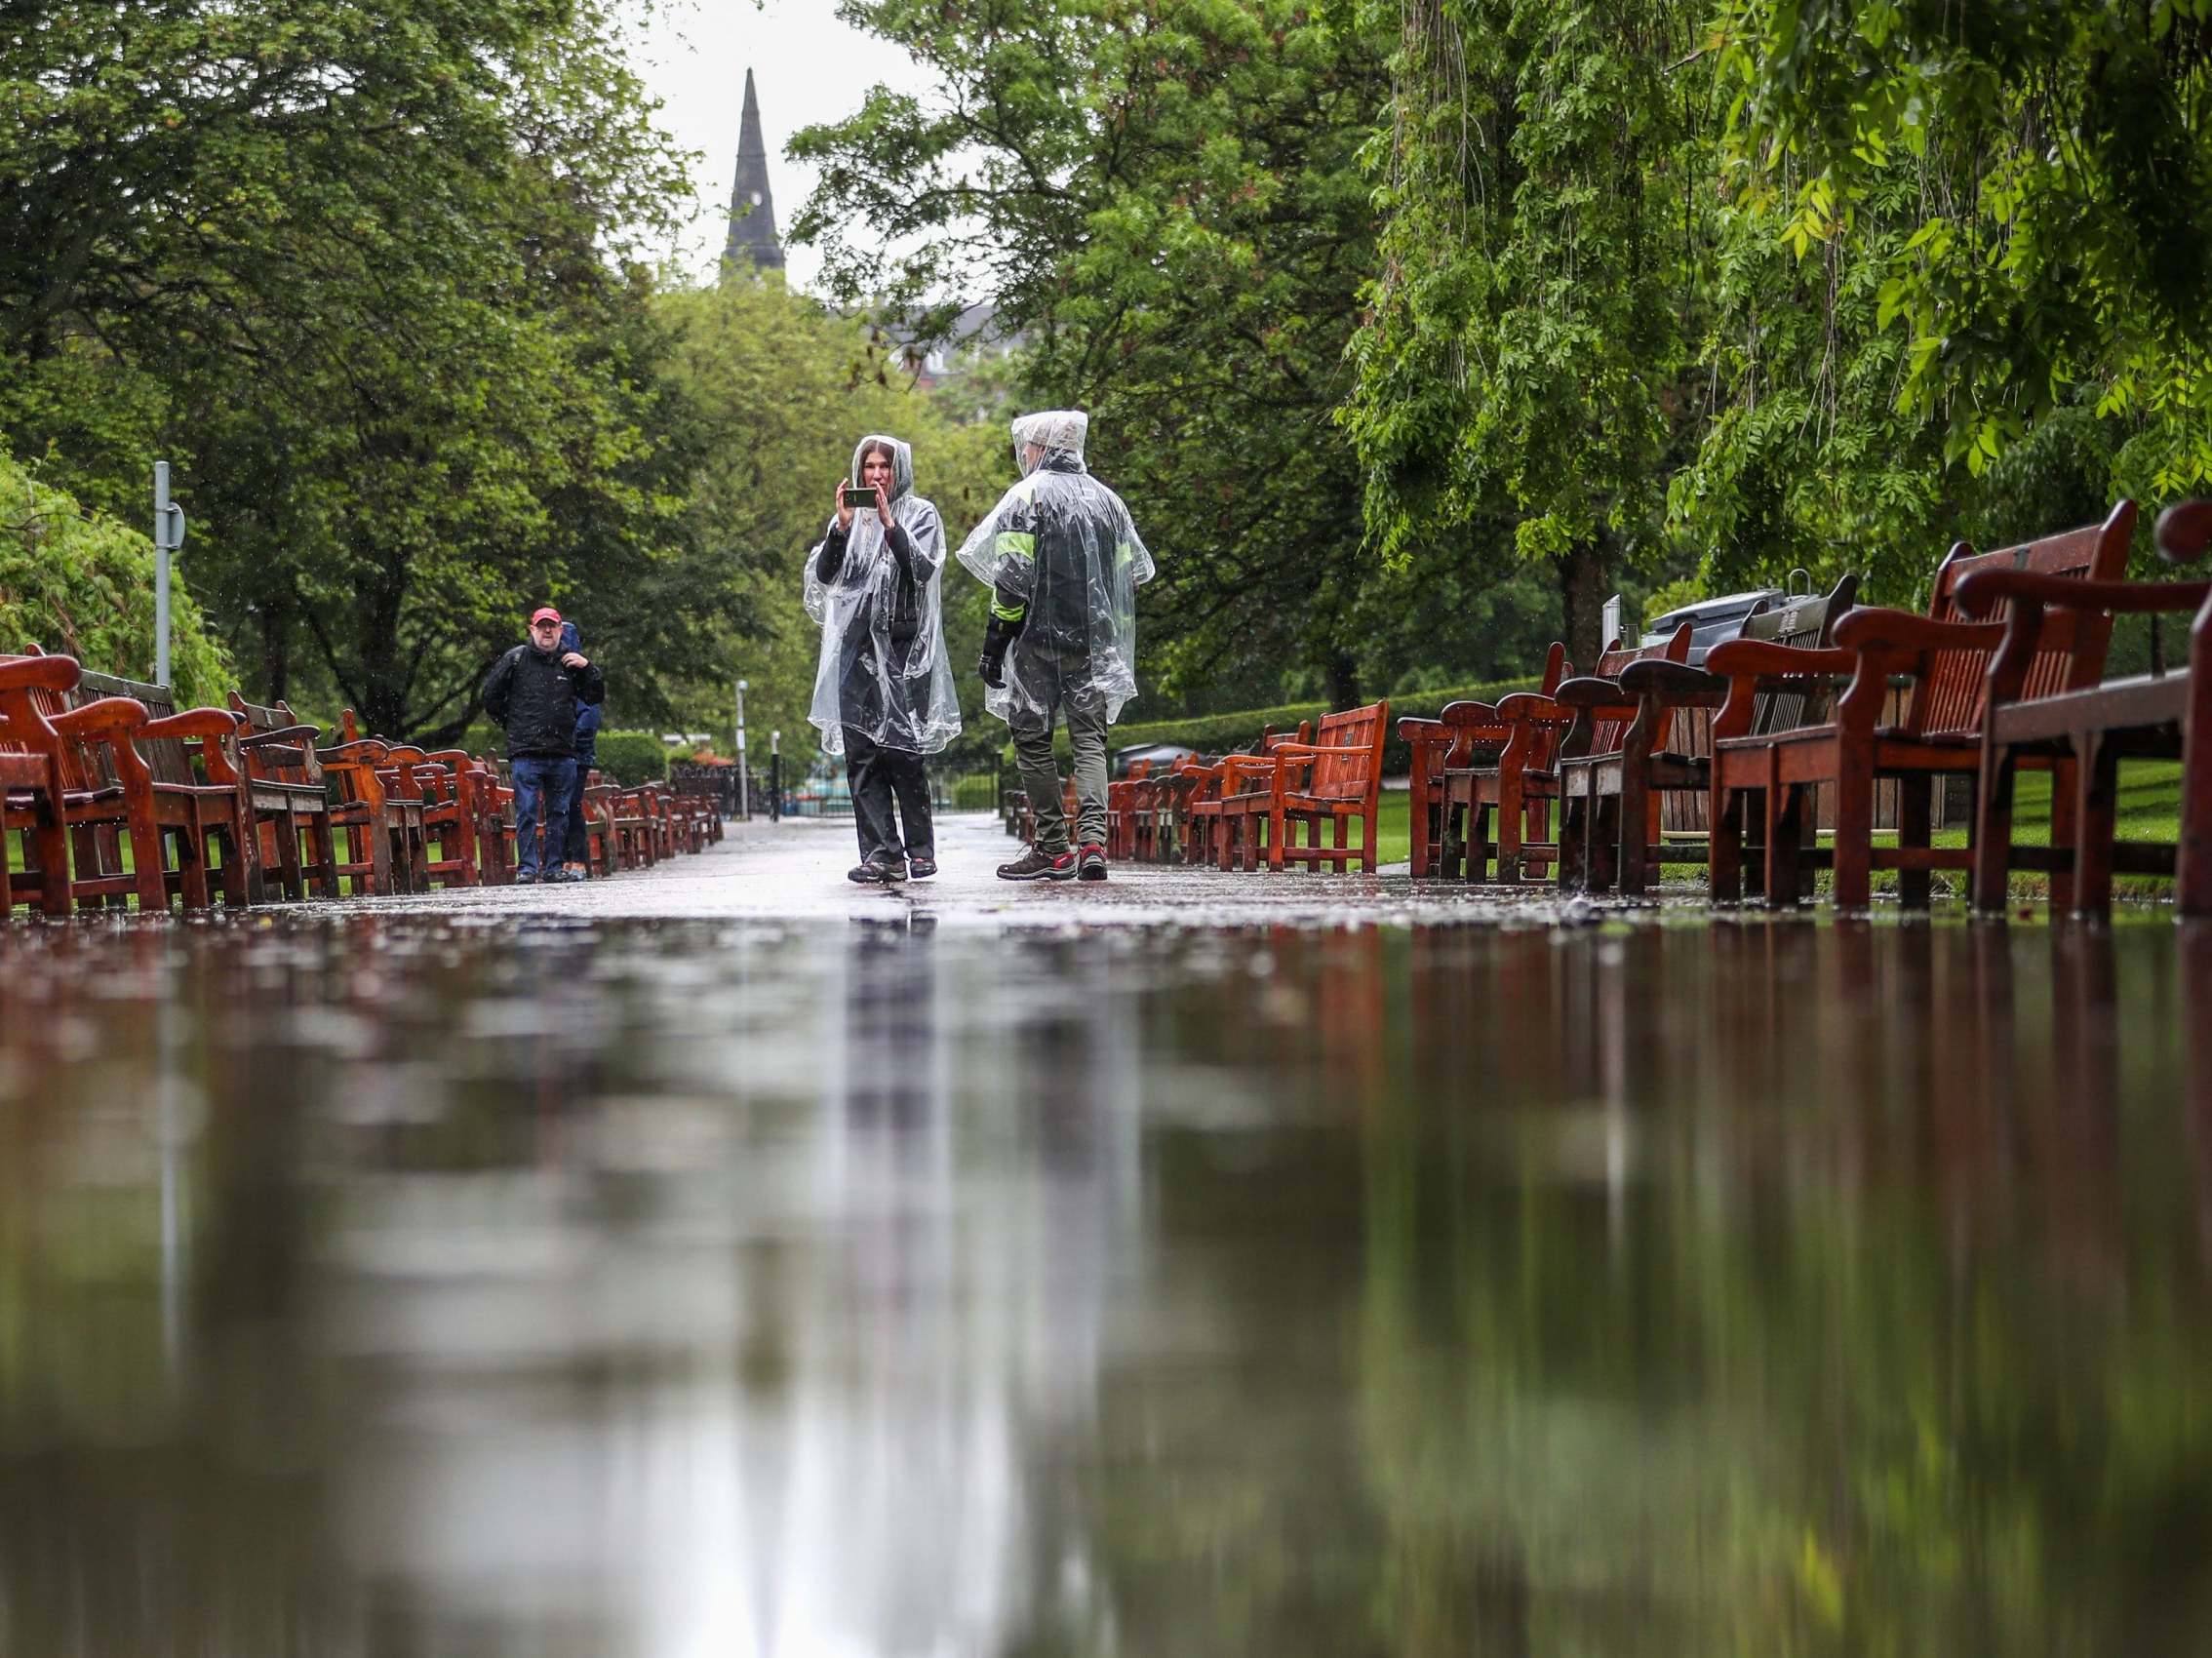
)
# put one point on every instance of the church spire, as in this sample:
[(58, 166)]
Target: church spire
[(752, 206)]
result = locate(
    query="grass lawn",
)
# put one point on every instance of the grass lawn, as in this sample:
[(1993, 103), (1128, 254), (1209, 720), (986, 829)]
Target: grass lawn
[(2149, 810)]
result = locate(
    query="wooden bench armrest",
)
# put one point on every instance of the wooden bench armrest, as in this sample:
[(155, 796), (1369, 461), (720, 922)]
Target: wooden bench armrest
[(1413, 728), (2184, 529), (1982, 591), (1459, 715), (1878, 626), (1676, 684), (1534, 708), (1759, 658), (359, 750), (1311, 751), (1590, 691), (110, 718), (192, 723), (291, 735), (40, 673)]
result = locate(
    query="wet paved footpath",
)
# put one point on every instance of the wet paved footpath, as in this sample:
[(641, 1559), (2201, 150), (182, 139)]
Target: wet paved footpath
[(727, 1260)]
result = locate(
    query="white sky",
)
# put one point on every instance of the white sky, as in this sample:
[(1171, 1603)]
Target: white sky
[(807, 68)]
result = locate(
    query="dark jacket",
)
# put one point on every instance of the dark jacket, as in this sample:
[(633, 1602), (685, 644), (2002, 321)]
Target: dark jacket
[(538, 700), (591, 714)]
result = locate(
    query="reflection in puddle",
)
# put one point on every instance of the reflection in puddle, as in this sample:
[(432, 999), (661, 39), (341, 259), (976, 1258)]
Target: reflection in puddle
[(392, 1287)]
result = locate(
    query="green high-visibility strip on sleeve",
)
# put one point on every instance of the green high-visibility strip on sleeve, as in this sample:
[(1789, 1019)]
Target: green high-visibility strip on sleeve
[(1125, 554), (1020, 541), (1009, 612)]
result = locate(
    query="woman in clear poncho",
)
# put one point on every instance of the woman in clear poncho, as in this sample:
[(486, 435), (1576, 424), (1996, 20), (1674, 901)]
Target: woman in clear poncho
[(883, 690)]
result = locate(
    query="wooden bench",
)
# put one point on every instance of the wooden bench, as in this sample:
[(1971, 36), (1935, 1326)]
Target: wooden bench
[(1610, 830), (1497, 802), (33, 785), (1463, 736), (183, 781), (1122, 798), (289, 797), (1327, 782), (2148, 716), (1942, 660)]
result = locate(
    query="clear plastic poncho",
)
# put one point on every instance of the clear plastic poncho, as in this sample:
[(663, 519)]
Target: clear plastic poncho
[(883, 670), (1061, 548)]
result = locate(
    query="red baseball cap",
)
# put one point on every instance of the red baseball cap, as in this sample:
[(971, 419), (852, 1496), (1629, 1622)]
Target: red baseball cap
[(542, 613)]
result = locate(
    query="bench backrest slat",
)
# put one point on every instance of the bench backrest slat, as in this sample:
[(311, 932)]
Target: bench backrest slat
[(1606, 733), (1350, 776), (2071, 649)]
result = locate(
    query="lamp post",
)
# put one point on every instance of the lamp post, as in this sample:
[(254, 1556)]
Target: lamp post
[(168, 538), (775, 776), (744, 793)]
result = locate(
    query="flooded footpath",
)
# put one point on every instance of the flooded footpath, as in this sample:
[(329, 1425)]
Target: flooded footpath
[(728, 1264)]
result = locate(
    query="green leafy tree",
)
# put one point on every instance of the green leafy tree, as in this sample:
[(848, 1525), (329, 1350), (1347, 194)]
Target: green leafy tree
[(1538, 290), (362, 270), (1163, 200)]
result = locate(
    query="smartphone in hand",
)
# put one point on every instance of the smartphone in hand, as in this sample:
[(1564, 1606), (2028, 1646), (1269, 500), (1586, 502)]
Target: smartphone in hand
[(862, 500)]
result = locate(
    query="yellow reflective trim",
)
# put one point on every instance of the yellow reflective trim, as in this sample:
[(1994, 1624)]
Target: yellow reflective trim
[(1009, 612), (1011, 541)]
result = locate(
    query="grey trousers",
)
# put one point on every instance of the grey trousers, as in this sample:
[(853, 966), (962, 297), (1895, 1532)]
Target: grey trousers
[(1040, 774)]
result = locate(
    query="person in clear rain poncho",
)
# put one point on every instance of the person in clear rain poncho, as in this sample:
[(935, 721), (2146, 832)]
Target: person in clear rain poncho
[(884, 690), (1063, 561)]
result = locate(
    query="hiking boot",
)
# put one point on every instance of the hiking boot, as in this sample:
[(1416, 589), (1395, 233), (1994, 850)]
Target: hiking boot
[(1034, 865), (1092, 865), (889, 870), (921, 868), (865, 875), (526, 877)]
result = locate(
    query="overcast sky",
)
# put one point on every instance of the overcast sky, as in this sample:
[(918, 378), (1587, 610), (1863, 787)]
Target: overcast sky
[(807, 67)]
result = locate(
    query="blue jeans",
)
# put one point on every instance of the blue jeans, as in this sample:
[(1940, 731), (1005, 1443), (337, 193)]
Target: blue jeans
[(543, 789)]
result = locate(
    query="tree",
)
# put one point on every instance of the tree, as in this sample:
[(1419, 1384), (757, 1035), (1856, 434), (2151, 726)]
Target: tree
[(1163, 201), (1531, 320), (782, 391), (365, 272)]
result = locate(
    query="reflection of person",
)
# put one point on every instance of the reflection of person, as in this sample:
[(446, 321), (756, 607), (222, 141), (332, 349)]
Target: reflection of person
[(1063, 562), (535, 690), (578, 865), (883, 690)]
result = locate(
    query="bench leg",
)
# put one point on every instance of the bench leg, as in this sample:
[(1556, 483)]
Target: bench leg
[(1993, 829), (1724, 875), (2068, 793), (1915, 818), (1509, 826), (1783, 812), (1854, 834), (2096, 822), (1637, 814)]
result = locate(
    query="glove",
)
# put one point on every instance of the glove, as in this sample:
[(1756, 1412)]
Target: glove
[(992, 665)]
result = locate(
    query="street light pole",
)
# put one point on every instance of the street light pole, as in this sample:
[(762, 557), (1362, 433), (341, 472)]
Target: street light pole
[(744, 791), (168, 538)]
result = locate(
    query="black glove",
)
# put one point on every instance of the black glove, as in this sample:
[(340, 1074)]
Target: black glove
[(992, 665)]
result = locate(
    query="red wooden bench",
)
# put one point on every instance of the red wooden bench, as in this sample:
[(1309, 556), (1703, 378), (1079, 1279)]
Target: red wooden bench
[(33, 785), (1499, 803), (1611, 802), (1942, 657), (289, 797), (1327, 782), (2148, 716), (1463, 736)]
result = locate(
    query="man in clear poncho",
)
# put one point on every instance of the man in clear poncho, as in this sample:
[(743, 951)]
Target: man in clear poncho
[(884, 690), (1063, 562)]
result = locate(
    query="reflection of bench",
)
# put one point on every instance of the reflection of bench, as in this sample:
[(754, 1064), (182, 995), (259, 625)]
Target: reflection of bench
[(1610, 801), (1942, 657), (1328, 782), (2151, 717)]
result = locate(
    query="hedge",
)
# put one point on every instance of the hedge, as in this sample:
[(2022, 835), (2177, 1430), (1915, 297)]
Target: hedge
[(631, 757), (1218, 733)]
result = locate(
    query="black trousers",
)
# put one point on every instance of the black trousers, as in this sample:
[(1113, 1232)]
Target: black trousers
[(880, 776)]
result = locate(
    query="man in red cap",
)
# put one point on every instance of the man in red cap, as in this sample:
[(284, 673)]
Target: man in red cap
[(537, 690)]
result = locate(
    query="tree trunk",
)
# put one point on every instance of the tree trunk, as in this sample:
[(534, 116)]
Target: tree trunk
[(276, 651), (1585, 574), (1343, 681)]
